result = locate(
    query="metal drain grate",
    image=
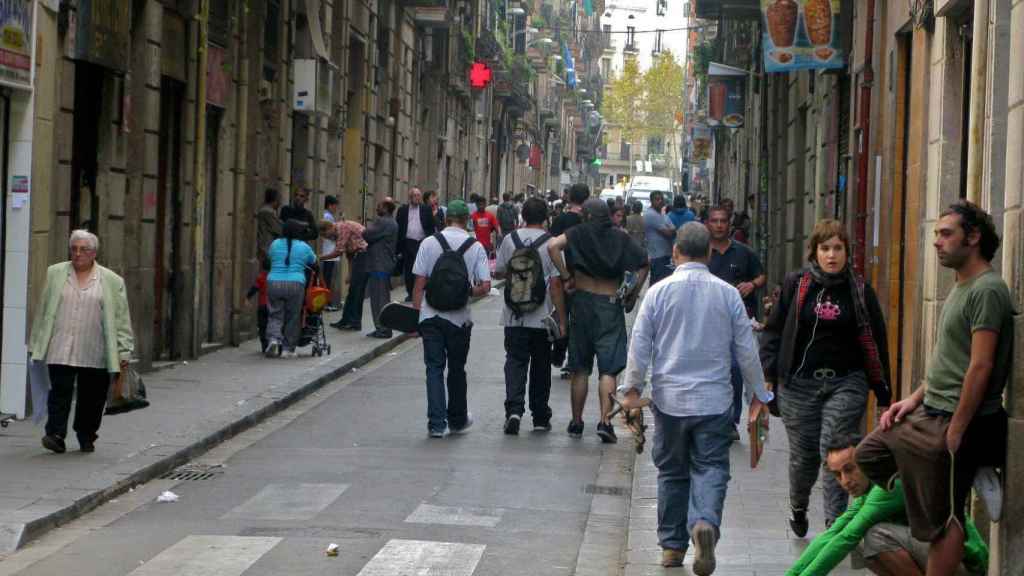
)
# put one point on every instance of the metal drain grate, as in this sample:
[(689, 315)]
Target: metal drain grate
[(605, 490), (193, 472)]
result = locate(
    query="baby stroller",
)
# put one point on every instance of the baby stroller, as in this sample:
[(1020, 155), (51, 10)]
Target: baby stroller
[(313, 328)]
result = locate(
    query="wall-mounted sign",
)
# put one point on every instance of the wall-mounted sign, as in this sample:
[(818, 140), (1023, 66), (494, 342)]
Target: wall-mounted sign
[(800, 34), (103, 33), (726, 96), (16, 43), (218, 80)]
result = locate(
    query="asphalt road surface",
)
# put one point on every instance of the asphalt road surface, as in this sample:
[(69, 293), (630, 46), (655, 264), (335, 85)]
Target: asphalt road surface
[(353, 466)]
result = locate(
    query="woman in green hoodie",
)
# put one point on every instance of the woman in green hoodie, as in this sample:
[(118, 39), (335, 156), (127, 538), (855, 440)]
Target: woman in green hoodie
[(83, 333)]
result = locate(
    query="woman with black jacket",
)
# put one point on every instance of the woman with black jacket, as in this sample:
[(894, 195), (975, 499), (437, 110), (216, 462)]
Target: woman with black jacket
[(823, 348)]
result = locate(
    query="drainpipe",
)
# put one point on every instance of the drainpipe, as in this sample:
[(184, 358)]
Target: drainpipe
[(976, 122), (199, 175), (864, 154), (241, 173)]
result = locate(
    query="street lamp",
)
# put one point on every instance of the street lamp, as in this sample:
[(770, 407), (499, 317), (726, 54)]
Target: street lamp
[(517, 11)]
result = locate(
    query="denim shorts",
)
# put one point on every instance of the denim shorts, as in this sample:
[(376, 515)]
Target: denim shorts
[(597, 328)]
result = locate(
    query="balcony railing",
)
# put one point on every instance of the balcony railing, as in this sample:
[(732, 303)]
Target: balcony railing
[(727, 9)]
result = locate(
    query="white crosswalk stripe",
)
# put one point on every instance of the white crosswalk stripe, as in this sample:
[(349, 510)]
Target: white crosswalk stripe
[(455, 516), (288, 502), (208, 556), (419, 558)]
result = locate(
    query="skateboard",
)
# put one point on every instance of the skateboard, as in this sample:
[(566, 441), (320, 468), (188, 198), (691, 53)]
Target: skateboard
[(400, 317)]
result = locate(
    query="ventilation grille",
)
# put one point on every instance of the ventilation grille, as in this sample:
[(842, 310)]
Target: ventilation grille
[(194, 472)]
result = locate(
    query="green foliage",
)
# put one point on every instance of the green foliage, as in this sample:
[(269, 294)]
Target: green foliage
[(644, 104), (703, 54), (469, 45)]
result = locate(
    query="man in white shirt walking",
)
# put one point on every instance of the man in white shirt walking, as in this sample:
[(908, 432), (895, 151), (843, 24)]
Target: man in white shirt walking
[(441, 293), (688, 329)]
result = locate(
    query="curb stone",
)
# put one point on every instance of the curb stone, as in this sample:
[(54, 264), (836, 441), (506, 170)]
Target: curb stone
[(25, 526)]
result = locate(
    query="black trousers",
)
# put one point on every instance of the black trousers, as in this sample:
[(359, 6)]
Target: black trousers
[(527, 351), (409, 250), (353, 311), (93, 384)]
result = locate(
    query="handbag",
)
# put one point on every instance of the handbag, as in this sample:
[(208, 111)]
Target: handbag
[(127, 393)]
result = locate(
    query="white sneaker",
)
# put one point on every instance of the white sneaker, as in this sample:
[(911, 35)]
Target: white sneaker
[(273, 349), (990, 489), (289, 354)]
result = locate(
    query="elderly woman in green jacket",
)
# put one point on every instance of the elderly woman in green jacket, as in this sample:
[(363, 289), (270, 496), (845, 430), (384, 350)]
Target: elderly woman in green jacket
[(83, 333)]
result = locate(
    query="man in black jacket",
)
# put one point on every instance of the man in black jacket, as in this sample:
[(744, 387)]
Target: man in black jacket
[(297, 211), (415, 222)]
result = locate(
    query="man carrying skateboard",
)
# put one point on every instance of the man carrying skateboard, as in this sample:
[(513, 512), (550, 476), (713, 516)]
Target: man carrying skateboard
[(688, 328), (441, 292), (593, 259), (524, 262)]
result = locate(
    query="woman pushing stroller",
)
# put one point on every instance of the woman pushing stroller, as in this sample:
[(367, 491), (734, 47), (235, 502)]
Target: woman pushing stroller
[(286, 289)]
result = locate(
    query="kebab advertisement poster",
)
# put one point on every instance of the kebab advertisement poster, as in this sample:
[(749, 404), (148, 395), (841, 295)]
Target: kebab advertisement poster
[(801, 34)]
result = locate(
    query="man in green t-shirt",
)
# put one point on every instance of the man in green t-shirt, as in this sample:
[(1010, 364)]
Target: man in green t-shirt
[(938, 438), (877, 522)]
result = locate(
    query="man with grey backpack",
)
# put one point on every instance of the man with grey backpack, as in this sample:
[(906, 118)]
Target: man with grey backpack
[(523, 261)]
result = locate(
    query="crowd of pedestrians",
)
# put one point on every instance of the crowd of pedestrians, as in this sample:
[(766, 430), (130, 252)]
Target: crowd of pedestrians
[(572, 270)]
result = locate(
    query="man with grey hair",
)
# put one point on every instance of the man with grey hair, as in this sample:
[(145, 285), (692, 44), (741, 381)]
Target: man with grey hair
[(688, 328)]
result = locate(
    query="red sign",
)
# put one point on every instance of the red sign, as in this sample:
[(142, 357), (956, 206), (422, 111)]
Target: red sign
[(480, 75)]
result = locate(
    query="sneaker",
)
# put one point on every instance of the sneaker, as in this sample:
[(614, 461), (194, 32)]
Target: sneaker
[(990, 490), (512, 425), (54, 444), (289, 354), (273, 350), (607, 433), (575, 429), (798, 522), (671, 558), (465, 426), (436, 433), (542, 424), (703, 536)]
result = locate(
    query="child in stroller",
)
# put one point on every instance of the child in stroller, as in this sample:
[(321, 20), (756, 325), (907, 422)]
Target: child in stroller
[(313, 327)]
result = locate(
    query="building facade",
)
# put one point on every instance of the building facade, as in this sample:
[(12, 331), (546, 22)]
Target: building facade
[(928, 108), (159, 124)]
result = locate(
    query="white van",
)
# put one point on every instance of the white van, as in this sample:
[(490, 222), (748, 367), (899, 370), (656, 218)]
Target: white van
[(641, 187)]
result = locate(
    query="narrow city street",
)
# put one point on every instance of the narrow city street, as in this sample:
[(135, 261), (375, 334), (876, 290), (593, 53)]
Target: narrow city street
[(352, 465)]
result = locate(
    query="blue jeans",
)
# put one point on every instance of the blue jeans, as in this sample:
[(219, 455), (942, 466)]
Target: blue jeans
[(692, 457), (445, 344), (661, 267)]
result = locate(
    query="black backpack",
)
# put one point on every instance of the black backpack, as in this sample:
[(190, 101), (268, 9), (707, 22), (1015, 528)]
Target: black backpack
[(507, 217), (525, 285), (448, 287)]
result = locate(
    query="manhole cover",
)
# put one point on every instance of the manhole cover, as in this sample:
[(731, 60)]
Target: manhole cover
[(605, 490), (194, 472)]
